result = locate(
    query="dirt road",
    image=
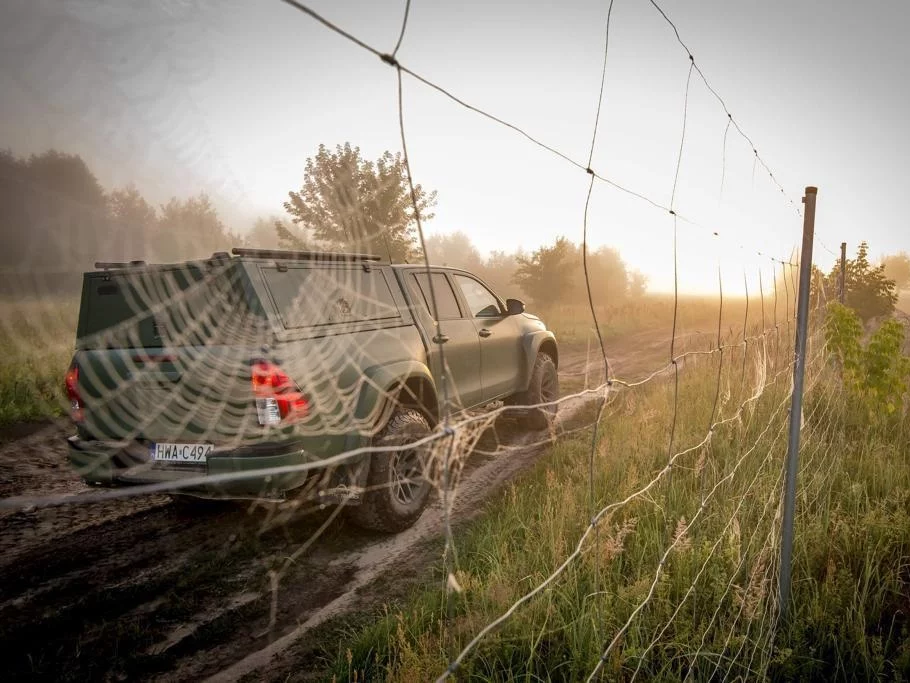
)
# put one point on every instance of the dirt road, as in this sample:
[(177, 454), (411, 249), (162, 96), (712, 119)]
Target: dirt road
[(145, 589)]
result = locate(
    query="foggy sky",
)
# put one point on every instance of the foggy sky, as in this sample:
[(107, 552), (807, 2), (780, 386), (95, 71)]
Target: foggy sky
[(232, 97)]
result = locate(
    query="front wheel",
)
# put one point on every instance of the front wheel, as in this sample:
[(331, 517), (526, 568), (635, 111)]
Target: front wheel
[(398, 489), (543, 391)]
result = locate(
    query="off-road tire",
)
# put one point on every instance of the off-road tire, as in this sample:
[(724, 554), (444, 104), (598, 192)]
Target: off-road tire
[(543, 388), (381, 508)]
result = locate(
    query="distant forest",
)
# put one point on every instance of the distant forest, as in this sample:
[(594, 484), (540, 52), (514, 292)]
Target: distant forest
[(58, 217), (59, 221)]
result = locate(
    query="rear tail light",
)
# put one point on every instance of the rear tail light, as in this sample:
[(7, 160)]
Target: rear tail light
[(278, 398), (71, 383)]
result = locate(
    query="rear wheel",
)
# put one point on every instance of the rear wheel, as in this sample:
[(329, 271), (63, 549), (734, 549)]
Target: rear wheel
[(542, 389), (397, 486)]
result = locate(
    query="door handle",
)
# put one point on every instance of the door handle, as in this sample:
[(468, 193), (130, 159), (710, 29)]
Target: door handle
[(440, 339), (485, 332)]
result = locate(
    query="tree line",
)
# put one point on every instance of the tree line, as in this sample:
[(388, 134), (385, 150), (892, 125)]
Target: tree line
[(352, 203), (552, 274), (872, 291), (60, 219)]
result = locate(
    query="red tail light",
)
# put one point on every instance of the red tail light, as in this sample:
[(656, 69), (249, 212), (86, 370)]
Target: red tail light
[(71, 383), (278, 398)]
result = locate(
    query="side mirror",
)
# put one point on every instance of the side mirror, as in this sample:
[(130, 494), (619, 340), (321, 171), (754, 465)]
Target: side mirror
[(515, 306)]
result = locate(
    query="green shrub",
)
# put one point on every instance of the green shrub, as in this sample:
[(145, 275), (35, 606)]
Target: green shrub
[(37, 338), (868, 289), (698, 552), (877, 375)]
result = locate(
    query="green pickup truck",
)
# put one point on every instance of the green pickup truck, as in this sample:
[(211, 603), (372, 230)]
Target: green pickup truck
[(275, 359)]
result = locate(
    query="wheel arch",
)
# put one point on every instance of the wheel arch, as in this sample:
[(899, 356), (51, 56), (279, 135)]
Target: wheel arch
[(543, 341), (418, 391), (383, 387)]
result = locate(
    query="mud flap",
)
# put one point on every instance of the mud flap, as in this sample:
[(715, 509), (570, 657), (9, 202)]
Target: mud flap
[(347, 482), (344, 486)]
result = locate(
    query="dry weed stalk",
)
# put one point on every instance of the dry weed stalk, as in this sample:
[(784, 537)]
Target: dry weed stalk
[(681, 541), (615, 541)]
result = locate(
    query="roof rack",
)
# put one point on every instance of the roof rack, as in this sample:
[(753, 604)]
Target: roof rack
[(111, 265), (304, 255)]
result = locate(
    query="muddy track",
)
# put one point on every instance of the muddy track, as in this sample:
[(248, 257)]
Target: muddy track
[(149, 590)]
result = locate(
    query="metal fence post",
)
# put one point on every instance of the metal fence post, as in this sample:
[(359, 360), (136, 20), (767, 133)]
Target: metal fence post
[(842, 283), (796, 404)]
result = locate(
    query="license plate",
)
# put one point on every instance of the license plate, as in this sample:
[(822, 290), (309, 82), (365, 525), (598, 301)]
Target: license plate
[(181, 452)]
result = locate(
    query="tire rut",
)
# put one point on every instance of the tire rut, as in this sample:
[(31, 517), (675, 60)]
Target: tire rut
[(149, 591)]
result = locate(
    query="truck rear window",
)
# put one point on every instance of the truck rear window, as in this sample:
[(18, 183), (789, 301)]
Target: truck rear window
[(186, 305), (312, 296)]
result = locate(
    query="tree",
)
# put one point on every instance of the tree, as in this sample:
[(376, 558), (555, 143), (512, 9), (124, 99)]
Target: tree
[(556, 274), (897, 268), (66, 175), (293, 237), (607, 274), (133, 223), (498, 271), (188, 229), (360, 205), (266, 234), (868, 291), (546, 275), (18, 229), (454, 249), (877, 373), (638, 284), (55, 211)]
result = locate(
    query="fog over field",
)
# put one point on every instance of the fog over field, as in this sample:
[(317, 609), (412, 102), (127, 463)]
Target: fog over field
[(231, 99), (407, 340)]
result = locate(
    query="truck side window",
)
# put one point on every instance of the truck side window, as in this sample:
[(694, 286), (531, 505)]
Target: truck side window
[(307, 296), (482, 302), (445, 297)]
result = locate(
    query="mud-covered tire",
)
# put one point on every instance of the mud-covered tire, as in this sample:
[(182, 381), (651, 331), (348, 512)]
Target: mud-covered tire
[(394, 499), (543, 388)]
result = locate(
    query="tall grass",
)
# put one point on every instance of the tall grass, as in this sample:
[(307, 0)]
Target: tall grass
[(37, 337), (684, 575), (572, 322)]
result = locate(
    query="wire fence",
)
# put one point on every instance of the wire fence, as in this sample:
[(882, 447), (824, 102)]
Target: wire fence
[(751, 373)]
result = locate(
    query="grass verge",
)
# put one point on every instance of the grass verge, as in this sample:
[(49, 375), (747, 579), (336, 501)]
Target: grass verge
[(681, 581), (37, 337), (573, 325)]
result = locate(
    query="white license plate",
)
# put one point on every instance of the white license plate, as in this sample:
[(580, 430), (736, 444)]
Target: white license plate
[(181, 452)]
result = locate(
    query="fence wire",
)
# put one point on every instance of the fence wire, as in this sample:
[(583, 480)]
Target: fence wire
[(760, 343)]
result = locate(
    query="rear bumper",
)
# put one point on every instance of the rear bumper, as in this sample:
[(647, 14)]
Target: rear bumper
[(122, 464)]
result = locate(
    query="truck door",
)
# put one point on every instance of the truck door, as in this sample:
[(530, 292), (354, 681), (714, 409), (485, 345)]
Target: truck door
[(461, 345), (501, 355)]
